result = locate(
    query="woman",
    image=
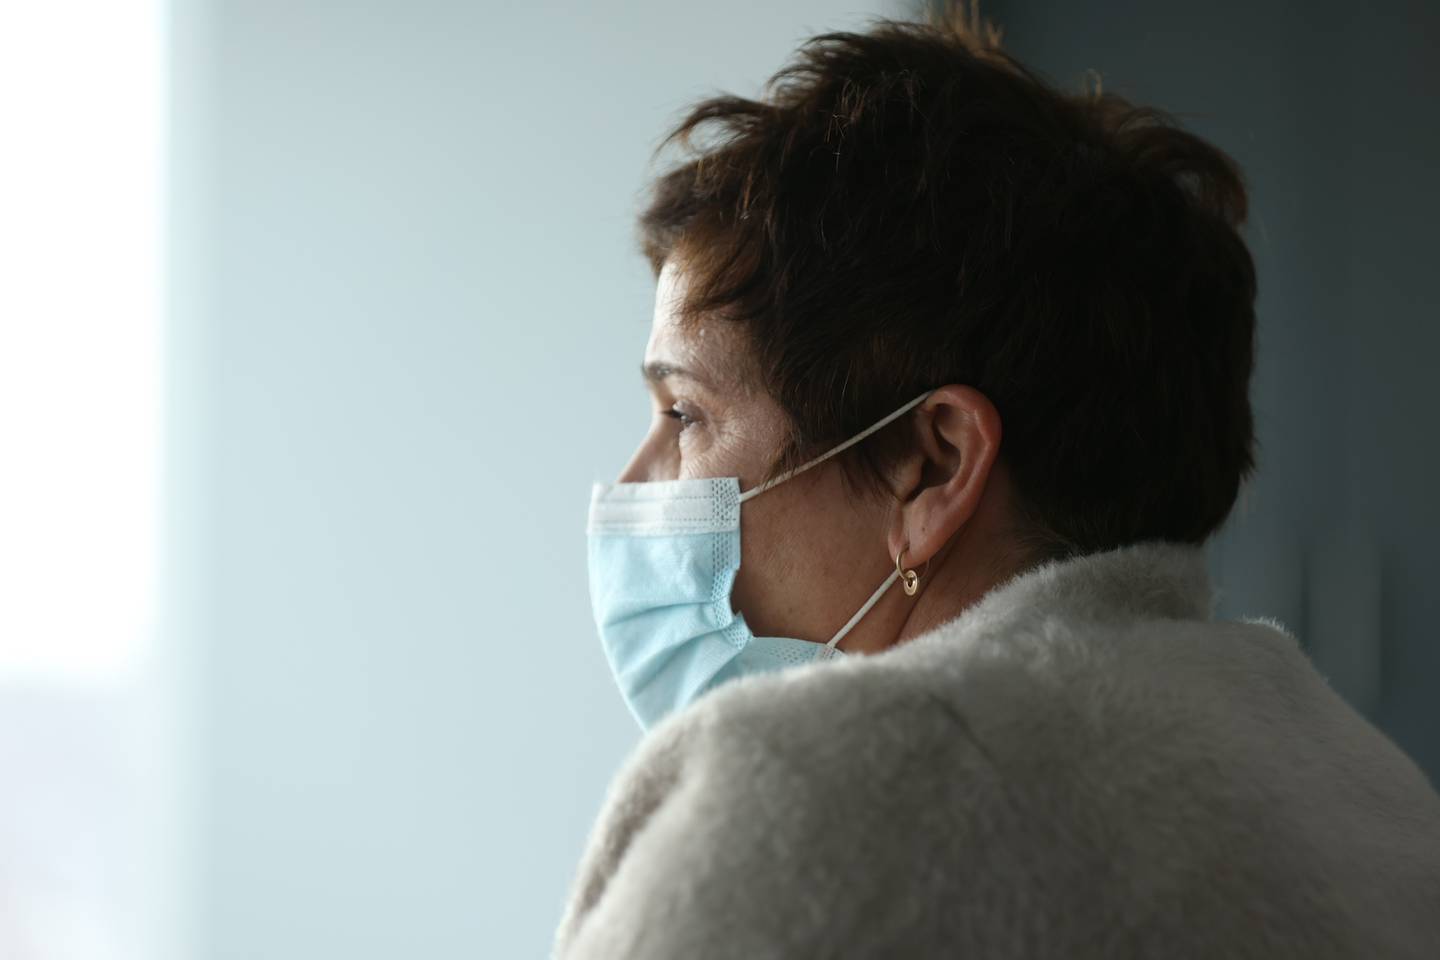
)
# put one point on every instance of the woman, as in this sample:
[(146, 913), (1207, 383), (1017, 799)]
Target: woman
[(923, 320)]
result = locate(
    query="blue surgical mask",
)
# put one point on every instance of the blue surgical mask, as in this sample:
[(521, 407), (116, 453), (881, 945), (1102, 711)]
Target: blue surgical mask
[(663, 557)]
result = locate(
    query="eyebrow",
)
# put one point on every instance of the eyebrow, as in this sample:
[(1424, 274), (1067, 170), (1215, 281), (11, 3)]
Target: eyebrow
[(658, 371)]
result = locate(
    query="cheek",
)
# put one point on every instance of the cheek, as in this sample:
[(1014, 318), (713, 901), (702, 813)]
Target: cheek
[(703, 453), (804, 553), (797, 532)]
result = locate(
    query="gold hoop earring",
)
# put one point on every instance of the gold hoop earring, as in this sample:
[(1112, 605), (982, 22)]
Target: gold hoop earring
[(909, 579)]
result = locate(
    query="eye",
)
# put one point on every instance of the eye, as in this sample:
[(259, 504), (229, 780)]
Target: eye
[(685, 419)]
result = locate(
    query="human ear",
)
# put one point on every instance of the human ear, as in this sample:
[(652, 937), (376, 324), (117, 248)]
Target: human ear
[(939, 486)]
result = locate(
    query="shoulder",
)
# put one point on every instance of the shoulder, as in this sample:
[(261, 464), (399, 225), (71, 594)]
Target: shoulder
[(969, 705), (809, 783), (835, 722), (819, 732), (1075, 702)]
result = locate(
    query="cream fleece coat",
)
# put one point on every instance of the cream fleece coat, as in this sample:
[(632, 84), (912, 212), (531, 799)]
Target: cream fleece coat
[(1082, 764)]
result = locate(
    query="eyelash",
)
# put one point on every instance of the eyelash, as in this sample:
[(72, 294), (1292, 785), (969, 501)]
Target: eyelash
[(686, 421)]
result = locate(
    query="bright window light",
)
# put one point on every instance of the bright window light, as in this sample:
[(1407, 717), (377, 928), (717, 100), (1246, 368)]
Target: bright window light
[(82, 94)]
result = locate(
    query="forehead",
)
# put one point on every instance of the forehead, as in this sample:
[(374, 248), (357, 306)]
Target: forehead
[(714, 348)]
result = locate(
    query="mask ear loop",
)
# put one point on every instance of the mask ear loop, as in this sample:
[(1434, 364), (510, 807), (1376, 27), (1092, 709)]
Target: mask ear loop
[(889, 418), (911, 582), (874, 598), (895, 575)]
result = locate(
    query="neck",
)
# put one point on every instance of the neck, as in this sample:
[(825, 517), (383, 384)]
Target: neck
[(979, 557), (965, 573)]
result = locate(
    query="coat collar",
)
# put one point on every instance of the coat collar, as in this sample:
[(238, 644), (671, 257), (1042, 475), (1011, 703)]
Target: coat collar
[(1154, 579)]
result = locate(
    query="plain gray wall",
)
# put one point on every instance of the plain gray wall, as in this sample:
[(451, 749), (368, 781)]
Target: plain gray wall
[(1330, 110), (409, 320)]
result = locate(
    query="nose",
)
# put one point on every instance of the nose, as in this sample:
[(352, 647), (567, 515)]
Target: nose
[(633, 471), (647, 462)]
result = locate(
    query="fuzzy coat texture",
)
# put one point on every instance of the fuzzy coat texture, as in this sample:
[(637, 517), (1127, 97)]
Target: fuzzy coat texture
[(1084, 763)]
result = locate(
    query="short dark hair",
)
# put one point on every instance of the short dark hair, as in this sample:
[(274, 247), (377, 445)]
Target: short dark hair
[(909, 206)]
